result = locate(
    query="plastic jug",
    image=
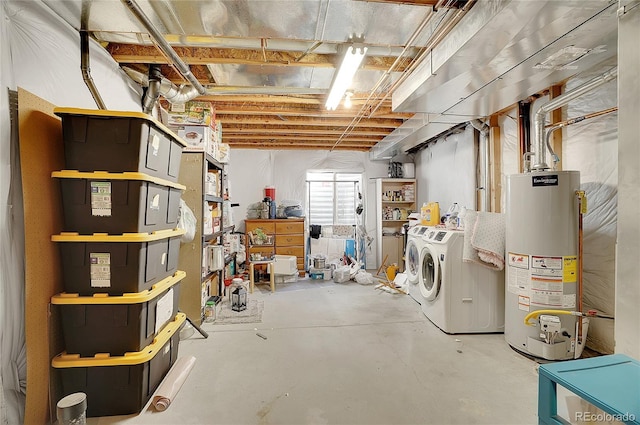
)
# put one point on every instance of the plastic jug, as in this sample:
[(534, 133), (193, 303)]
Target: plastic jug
[(451, 218), (430, 214)]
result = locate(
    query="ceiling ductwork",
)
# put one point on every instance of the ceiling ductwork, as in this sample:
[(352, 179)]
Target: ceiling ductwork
[(501, 52)]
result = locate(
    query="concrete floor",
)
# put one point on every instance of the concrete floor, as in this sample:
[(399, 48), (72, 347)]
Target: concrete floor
[(346, 354)]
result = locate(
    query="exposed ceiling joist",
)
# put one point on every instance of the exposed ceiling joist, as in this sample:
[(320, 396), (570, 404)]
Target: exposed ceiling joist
[(128, 53)]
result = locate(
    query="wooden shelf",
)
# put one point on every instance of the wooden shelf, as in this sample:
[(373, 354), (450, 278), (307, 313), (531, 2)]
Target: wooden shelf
[(398, 202), (211, 198), (391, 246)]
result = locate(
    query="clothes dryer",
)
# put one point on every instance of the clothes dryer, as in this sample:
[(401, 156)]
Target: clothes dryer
[(459, 297), (412, 267)]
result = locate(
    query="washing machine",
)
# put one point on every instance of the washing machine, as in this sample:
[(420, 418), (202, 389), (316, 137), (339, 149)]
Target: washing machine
[(459, 297), (412, 266)]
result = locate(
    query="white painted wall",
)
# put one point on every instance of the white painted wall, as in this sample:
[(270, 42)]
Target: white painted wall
[(446, 171), (250, 170), (627, 326)]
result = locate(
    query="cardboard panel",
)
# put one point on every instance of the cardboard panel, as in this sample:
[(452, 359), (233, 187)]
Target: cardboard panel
[(41, 152)]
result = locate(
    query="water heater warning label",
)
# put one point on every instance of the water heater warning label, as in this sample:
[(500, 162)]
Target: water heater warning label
[(570, 274), (539, 280)]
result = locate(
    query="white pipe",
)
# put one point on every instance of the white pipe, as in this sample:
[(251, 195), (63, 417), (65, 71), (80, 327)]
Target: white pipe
[(540, 116)]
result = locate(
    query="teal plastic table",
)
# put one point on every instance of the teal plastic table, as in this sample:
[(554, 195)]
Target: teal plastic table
[(611, 383)]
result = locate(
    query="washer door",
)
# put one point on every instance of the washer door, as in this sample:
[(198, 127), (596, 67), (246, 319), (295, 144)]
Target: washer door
[(412, 261), (431, 278)]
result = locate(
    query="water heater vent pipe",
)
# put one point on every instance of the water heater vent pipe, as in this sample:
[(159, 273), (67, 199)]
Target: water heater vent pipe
[(540, 115)]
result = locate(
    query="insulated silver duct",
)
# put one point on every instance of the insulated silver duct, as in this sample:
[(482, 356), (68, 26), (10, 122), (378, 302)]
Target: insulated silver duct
[(540, 152), (166, 48), (86, 70), (485, 183), (165, 88)]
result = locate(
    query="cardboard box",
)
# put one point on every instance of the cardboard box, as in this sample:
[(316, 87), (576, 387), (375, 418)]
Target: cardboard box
[(190, 113), (197, 137), (222, 152)]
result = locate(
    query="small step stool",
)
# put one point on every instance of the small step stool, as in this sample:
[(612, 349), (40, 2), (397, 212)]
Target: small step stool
[(611, 383)]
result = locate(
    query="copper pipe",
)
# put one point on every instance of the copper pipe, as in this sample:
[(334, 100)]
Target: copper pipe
[(576, 120), (581, 197)]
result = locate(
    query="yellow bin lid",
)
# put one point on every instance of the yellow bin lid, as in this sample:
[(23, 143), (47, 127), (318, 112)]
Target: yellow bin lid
[(61, 112), (103, 175), (64, 360), (125, 237), (128, 298)]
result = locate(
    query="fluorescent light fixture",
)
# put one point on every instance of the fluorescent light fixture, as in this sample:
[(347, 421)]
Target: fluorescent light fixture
[(350, 64)]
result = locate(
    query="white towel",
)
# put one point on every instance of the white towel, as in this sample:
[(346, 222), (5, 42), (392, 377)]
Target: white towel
[(484, 239)]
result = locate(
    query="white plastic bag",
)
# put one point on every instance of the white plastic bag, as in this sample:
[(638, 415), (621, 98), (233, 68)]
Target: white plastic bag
[(186, 221), (364, 277)]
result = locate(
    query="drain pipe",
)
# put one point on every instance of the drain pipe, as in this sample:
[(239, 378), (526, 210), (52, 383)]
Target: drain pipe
[(483, 128), (86, 70), (162, 44), (540, 146)]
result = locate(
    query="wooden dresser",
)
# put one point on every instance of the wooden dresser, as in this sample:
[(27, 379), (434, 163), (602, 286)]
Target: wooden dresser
[(288, 239)]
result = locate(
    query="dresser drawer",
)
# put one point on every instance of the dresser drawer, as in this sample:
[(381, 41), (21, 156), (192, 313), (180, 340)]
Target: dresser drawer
[(289, 240), (289, 227), (297, 251), (269, 227)]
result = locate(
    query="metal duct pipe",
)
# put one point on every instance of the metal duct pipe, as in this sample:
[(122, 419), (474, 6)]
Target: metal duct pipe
[(152, 93), (182, 67), (540, 116), (86, 70), (166, 88), (483, 129)]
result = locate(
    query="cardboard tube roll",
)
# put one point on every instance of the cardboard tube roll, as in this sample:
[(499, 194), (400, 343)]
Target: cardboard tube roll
[(172, 383)]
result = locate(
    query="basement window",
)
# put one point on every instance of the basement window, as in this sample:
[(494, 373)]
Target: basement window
[(332, 197)]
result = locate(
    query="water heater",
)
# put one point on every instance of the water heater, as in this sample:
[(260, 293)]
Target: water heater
[(542, 224)]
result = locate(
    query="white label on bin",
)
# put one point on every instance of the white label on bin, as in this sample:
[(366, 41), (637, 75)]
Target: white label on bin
[(155, 202), (101, 199), (155, 144), (100, 269), (164, 309), (163, 259)]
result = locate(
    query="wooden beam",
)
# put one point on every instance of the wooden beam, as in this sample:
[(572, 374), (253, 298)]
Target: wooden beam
[(306, 121), (287, 110), (288, 137), (556, 117), (130, 53), (241, 129), (302, 147)]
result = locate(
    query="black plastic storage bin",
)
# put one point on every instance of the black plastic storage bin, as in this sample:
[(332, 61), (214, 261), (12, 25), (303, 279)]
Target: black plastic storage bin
[(118, 203), (117, 264), (117, 141), (120, 385), (117, 324)]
